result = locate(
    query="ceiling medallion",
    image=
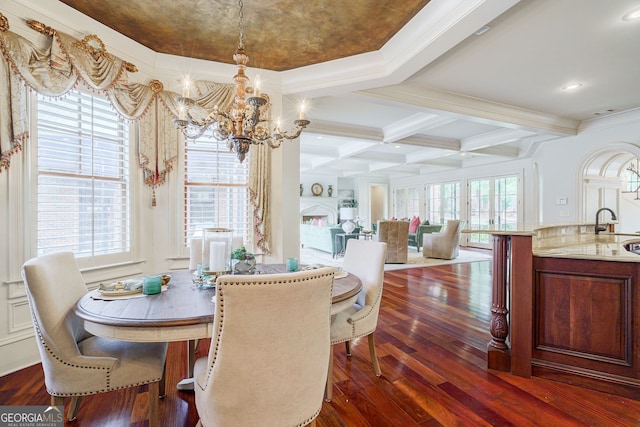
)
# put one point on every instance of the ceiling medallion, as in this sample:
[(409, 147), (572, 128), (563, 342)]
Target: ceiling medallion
[(248, 120)]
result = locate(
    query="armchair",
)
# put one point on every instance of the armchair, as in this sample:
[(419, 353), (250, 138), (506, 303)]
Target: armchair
[(396, 235), (446, 243), (415, 239)]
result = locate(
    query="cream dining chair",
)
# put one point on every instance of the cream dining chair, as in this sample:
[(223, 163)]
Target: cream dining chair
[(76, 363), (267, 365), (366, 260)]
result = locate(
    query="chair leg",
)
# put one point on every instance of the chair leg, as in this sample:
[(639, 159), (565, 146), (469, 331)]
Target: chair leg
[(347, 347), (57, 401), (163, 381), (74, 405), (154, 390), (73, 408), (374, 357), (328, 393)]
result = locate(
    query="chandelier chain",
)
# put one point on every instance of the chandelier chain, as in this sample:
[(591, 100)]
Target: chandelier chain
[(241, 24)]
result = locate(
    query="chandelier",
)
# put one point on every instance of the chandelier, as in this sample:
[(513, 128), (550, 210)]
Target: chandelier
[(248, 120)]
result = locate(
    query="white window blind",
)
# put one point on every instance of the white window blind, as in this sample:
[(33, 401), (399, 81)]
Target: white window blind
[(83, 176), (215, 188)]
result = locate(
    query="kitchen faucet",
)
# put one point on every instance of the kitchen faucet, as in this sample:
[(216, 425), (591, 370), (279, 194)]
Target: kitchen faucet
[(613, 218)]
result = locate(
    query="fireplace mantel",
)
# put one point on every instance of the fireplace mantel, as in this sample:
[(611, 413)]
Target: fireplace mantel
[(319, 207)]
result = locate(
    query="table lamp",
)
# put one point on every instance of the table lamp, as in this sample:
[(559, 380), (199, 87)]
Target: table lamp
[(348, 214)]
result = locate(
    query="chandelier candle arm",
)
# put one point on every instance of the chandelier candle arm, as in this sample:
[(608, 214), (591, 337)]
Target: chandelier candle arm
[(248, 120)]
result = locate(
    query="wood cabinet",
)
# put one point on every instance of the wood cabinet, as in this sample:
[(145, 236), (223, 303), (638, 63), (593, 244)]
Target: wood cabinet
[(586, 323)]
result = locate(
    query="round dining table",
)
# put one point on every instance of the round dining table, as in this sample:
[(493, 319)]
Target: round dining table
[(183, 311)]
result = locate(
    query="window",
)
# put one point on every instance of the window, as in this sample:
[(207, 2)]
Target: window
[(632, 175), (216, 190), (413, 202), (406, 202), (82, 176), (493, 205), (443, 202)]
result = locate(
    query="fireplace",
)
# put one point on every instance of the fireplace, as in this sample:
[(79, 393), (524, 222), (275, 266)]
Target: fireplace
[(320, 210)]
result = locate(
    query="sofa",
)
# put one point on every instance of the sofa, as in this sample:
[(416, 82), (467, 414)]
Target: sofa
[(323, 238)]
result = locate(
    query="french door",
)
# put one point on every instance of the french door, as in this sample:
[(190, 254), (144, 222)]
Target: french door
[(493, 205)]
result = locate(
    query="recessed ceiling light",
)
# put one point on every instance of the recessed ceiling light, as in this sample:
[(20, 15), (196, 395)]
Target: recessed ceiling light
[(319, 137), (572, 86), (396, 146), (462, 153), (632, 15)]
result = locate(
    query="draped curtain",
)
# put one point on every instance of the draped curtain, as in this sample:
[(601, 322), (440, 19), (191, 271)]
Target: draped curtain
[(59, 62)]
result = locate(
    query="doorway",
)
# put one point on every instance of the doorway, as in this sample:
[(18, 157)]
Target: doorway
[(377, 202)]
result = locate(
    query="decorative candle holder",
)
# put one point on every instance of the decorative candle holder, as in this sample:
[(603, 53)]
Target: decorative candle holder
[(216, 251)]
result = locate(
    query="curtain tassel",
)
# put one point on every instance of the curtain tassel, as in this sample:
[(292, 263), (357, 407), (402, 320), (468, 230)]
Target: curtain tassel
[(153, 198)]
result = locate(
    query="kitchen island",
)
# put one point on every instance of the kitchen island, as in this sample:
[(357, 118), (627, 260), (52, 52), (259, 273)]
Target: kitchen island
[(566, 307)]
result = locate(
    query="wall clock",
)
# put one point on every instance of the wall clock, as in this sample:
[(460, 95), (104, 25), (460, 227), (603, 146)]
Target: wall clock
[(316, 189)]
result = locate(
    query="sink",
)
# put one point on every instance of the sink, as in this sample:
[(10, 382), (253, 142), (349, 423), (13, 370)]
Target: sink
[(632, 246)]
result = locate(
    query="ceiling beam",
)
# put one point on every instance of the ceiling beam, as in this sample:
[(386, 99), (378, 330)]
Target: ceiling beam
[(342, 130), (412, 125), (431, 142), (489, 139), (475, 109), (511, 152)]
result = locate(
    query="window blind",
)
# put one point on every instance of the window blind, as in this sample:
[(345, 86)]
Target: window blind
[(215, 188), (83, 176)]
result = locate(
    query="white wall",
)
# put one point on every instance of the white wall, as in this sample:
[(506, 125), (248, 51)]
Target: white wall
[(560, 163)]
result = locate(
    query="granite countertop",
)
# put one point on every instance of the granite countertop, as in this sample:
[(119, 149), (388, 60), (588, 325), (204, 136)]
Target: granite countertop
[(603, 246), (577, 241)]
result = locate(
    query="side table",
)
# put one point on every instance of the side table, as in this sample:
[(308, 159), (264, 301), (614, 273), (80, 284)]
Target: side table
[(344, 237)]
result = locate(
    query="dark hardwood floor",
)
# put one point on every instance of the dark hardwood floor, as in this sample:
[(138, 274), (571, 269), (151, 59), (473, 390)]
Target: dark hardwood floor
[(431, 340)]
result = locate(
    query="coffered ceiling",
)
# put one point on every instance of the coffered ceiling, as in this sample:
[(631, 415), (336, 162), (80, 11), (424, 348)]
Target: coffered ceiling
[(398, 88)]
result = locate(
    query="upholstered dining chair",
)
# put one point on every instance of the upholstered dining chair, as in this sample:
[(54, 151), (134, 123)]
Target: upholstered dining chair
[(444, 244), (76, 363), (365, 259), (269, 353)]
